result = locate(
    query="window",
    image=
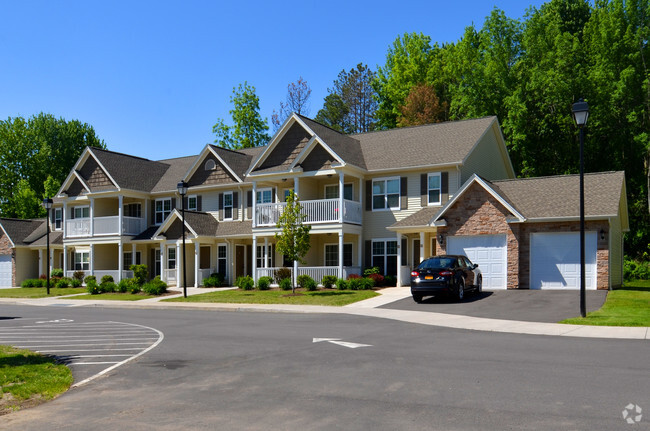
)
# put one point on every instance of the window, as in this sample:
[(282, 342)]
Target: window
[(156, 270), (286, 194), (385, 194), (82, 260), (384, 256), (81, 212), (128, 259), (261, 255), (163, 209), (227, 206), (171, 258), (264, 196), (332, 255), (58, 218), (133, 210), (222, 260), (332, 191), (210, 165), (433, 185), (192, 203)]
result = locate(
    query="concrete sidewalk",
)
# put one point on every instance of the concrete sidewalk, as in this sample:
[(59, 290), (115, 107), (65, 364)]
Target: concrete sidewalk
[(368, 308)]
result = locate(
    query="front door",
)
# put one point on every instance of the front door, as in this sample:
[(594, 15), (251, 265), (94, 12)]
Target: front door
[(416, 252), (240, 260)]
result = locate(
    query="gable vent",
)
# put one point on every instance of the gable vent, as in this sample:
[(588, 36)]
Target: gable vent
[(210, 165)]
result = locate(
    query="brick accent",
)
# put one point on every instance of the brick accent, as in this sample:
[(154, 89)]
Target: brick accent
[(5, 248)]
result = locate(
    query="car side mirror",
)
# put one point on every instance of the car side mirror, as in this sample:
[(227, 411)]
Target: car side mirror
[(475, 265)]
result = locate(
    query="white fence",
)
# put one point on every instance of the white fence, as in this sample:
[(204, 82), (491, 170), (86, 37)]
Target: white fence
[(203, 274), (315, 272), (170, 276), (316, 211), (104, 226)]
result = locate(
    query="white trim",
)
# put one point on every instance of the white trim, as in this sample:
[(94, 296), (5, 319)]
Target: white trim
[(13, 245), (337, 244), (168, 222), (200, 161), (260, 190), (155, 211), (226, 276), (232, 207), (273, 143), (385, 240), (205, 165), (81, 180), (325, 186), (104, 169), (83, 157), (60, 209), (439, 175), (385, 194), (196, 201), (315, 140), (306, 149)]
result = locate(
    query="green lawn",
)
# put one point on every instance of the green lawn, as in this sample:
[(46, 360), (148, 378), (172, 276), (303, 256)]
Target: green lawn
[(320, 297), (114, 296), (628, 306), (27, 378), (38, 292)]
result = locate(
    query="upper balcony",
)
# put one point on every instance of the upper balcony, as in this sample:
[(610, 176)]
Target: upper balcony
[(104, 226), (316, 211)]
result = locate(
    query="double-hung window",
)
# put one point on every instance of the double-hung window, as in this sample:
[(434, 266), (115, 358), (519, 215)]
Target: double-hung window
[(264, 196), (222, 260), (81, 260), (192, 203), (128, 259), (385, 193), (332, 191), (332, 255), (433, 186), (163, 209), (384, 256), (133, 210), (58, 218), (81, 212), (171, 258), (227, 206)]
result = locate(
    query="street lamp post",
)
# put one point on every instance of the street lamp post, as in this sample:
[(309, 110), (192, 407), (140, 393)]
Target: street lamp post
[(580, 115), (182, 190), (47, 204)]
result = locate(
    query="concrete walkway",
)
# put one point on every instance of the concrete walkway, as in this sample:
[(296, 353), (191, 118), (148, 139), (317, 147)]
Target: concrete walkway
[(367, 308)]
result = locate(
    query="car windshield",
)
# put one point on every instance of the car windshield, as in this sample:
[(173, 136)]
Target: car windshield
[(437, 262)]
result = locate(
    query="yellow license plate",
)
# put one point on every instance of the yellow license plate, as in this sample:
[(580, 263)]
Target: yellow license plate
[(428, 277)]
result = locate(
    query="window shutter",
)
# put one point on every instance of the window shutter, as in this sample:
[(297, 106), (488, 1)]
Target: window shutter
[(52, 211), (424, 190), (153, 211), (273, 195), (403, 193), (235, 205), (249, 204), (199, 203), (444, 187), (368, 254), (173, 203), (368, 195), (404, 252), (72, 213), (185, 202), (220, 206)]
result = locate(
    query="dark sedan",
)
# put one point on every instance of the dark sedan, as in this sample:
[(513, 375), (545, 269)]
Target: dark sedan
[(450, 275)]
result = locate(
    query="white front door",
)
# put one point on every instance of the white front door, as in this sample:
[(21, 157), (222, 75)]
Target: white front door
[(489, 252), (5, 270), (555, 260)]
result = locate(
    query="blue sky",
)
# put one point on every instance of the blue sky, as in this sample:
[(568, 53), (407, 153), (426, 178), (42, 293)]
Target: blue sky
[(153, 77)]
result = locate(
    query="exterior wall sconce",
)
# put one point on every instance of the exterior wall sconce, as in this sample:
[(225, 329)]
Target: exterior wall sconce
[(602, 234), (441, 239)]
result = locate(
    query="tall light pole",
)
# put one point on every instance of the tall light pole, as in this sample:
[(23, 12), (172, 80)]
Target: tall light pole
[(580, 115), (182, 190), (47, 204)]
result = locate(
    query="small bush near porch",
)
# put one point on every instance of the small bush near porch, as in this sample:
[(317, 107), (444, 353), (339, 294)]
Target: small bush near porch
[(335, 298)]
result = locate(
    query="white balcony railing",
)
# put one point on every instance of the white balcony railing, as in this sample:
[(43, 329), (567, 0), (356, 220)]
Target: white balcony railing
[(170, 276), (203, 274), (315, 272), (316, 211), (105, 226)]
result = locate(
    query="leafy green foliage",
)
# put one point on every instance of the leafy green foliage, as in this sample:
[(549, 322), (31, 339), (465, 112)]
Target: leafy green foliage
[(33, 282), (328, 281), (214, 280), (107, 278), (286, 284), (264, 283), (56, 272), (281, 274), (636, 270), (245, 282), (155, 287), (63, 283), (123, 285), (293, 239), (107, 287), (92, 287), (140, 274), (341, 284), (78, 275), (248, 129), (372, 270), (90, 278)]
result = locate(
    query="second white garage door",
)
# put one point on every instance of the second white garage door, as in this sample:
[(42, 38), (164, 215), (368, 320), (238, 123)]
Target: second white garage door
[(489, 251), (5, 270), (555, 260)]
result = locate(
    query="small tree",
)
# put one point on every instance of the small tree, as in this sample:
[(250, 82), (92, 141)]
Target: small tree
[(293, 240)]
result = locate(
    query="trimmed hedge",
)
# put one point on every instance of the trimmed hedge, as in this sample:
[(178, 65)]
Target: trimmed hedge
[(264, 283)]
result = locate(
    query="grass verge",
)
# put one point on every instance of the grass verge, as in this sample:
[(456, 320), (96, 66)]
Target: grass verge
[(114, 296), (38, 292), (336, 298), (628, 306), (28, 379)]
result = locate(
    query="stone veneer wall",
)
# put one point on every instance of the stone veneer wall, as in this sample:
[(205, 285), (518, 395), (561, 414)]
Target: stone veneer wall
[(5, 248)]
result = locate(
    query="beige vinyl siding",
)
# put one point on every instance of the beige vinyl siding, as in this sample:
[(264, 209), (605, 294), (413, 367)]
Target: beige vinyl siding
[(209, 201), (486, 160), (616, 253), (105, 207), (26, 264), (106, 256)]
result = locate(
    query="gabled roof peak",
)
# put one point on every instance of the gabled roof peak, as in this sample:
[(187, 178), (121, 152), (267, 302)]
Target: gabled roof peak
[(424, 125)]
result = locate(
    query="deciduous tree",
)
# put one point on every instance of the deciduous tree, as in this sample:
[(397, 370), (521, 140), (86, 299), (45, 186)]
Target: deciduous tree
[(293, 238), (421, 107), (248, 128), (298, 94)]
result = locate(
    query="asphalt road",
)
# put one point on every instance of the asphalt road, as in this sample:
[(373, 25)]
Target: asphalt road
[(260, 371)]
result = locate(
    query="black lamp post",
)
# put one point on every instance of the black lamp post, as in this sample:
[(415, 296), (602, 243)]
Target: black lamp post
[(182, 190), (580, 115), (47, 204)]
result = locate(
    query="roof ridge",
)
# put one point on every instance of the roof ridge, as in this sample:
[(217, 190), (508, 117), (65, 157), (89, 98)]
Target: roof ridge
[(325, 125), (233, 151), (552, 176), (423, 125), (23, 219), (121, 154)]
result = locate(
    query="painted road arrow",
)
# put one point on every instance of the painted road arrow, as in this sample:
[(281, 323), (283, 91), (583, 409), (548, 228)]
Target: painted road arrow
[(341, 343)]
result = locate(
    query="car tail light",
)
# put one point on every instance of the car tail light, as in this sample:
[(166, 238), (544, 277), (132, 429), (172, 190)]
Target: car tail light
[(414, 274), (445, 273)]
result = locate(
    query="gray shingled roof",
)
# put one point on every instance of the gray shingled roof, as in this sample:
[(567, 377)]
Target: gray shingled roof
[(420, 218), (131, 172), (177, 168), (431, 144), (147, 234), (234, 228), (347, 147), (56, 238), (19, 230), (204, 224), (238, 161)]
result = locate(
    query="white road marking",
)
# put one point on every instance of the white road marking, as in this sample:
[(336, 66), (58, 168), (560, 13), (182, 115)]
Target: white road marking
[(92, 363), (341, 343)]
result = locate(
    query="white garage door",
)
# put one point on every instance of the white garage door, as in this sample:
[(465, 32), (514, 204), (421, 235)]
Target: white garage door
[(489, 251), (555, 260), (5, 270)]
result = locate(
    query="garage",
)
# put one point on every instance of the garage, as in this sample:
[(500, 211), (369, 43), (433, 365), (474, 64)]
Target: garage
[(5, 270), (555, 260), (489, 251)]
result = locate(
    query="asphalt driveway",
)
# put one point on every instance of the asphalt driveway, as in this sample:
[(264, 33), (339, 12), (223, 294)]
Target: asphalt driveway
[(549, 306)]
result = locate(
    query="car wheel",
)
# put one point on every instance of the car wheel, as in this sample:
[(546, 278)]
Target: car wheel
[(461, 290), (479, 286), (417, 297)]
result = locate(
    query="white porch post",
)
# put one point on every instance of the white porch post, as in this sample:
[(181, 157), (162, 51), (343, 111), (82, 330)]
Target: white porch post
[(65, 260), (254, 214), (296, 184), (340, 199), (360, 253), (92, 259), (196, 263), (399, 260), (266, 252), (120, 260), (64, 217), (254, 254), (422, 247), (40, 263), (92, 216), (133, 250), (163, 258), (340, 254), (178, 266), (120, 213), (52, 260)]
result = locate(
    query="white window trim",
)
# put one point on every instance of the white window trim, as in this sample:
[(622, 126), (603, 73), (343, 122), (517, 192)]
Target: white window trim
[(336, 244), (81, 262), (155, 210), (133, 261), (436, 174), (175, 260), (216, 269), (232, 207), (81, 208), (261, 254), (139, 204), (372, 194), (261, 193), (325, 186), (384, 240), (60, 218), (196, 203)]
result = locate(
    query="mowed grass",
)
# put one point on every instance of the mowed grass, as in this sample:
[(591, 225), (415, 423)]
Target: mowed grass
[(113, 296), (38, 292), (335, 298), (27, 378), (628, 306)]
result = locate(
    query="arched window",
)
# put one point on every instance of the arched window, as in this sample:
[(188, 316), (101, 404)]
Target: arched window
[(210, 165)]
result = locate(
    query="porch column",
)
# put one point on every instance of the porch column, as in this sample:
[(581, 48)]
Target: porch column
[(399, 260), (266, 252), (296, 183), (340, 254), (422, 247), (133, 250), (52, 260), (196, 264), (178, 266), (40, 263), (361, 194), (231, 262), (64, 217), (360, 254), (254, 257), (120, 213), (340, 201), (120, 260), (163, 258), (91, 264), (254, 215), (92, 216), (65, 260)]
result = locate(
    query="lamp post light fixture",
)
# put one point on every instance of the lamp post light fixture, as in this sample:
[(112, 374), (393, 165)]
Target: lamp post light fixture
[(580, 115), (182, 190), (47, 204)]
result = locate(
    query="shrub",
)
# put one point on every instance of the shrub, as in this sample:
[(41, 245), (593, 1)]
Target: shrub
[(75, 283), (636, 270), (107, 278), (285, 284), (370, 271), (281, 274), (140, 274), (78, 275), (353, 276), (378, 279), (31, 282), (123, 285), (56, 272), (64, 282), (155, 287), (390, 280), (107, 287), (245, 282), (310, 284), (303, 279), (354, 283), (213, 281), (42, 277), (264, 283), (134, 288), (328, 281), (366, 283), (92, 287), (90, 278), (341, 284)]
